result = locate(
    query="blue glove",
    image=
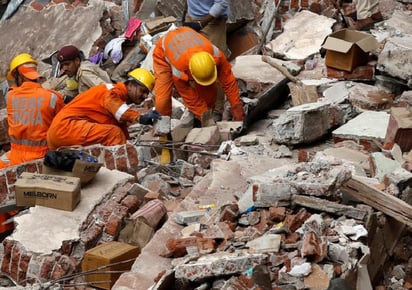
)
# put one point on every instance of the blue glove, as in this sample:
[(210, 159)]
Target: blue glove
[(147, 119), (195, 25)]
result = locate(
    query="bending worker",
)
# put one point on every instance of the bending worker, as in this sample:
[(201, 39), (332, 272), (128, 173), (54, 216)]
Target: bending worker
[(102, 114), (189, 62), (30, 111), (79, 74)]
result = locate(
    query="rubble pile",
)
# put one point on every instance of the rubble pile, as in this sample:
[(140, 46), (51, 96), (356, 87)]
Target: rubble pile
[(319, 196), (277, 241)]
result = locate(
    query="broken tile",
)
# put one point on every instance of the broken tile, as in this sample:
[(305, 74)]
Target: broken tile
[(266, 243), (364, 129)]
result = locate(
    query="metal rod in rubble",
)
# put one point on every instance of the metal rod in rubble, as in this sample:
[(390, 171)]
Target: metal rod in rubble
[(48, 284)]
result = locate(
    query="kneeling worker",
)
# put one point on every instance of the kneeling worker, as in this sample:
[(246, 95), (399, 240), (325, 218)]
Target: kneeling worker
[(101, 114), (30, 110)]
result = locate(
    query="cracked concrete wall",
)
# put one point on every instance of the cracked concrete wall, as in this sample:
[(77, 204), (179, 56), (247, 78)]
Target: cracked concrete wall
[(42, 32)]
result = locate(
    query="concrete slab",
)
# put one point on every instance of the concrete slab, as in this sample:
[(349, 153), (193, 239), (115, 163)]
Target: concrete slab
[(368, 124), (302, 35), (56, 27), (43, 230), (252, 68), (395, 56)]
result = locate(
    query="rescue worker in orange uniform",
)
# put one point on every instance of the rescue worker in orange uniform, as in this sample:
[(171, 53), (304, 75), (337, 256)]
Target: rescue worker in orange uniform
[(189, 62), (30, 111), (102, 114), (6, 226)]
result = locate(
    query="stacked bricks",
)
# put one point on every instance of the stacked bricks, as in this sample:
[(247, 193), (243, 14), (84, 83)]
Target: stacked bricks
[(122, 157), (102, 225), (4, 127), (9, 175)]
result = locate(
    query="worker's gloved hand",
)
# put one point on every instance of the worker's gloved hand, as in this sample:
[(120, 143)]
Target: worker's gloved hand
[(72, 85), (207, 119), (195, 25), (238, 113), (147, 119), (67, 99)]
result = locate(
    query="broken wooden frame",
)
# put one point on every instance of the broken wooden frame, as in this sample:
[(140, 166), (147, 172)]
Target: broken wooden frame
[(381, 239)]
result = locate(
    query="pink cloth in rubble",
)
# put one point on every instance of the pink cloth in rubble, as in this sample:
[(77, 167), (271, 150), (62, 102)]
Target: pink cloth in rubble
[(131, 28)]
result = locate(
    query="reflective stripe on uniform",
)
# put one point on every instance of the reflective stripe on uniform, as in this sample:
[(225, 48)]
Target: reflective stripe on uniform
[(120, 111), (28, 142), (215, 51), (109, 86), (5, 158), (53, 101), (177, 73)]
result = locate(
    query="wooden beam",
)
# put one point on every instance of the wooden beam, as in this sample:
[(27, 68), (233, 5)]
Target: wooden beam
[(382, 201), (382, 243), (381, 240), (329, 206)]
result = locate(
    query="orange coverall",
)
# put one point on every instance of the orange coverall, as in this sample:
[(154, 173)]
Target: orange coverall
[(171, 57), (30, 111), (99, 115), (4, 228)]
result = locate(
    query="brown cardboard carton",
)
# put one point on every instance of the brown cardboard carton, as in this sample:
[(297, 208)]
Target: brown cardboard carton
[(59, 192), (106, 258), (347, 49), (85, 170)]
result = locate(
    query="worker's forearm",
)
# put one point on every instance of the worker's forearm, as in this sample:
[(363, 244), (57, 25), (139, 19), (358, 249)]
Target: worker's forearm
[(206, 20)]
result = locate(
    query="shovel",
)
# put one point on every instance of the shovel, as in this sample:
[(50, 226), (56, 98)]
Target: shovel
[(301, 94)]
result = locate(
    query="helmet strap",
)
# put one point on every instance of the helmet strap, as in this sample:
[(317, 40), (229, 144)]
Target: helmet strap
[(18, 78)]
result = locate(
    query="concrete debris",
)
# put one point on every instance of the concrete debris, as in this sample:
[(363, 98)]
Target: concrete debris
[(299, 39), (394, 58), (307, 123), (367, 97), (364, 129), (305, 193)]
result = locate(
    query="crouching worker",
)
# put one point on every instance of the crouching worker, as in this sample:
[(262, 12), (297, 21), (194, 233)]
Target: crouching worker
[(102, 114), (30, 111)]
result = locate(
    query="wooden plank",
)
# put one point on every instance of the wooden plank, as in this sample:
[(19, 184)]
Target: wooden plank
[(329, 206), (269, 99), (382, 241), (382, 201)]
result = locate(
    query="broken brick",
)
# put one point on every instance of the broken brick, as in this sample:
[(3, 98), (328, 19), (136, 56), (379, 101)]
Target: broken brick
[(277, 214), (36, 6)]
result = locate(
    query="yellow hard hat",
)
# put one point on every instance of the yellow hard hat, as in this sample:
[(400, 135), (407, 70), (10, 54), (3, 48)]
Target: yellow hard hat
[(143, 77), (203, 68), (17, 61)]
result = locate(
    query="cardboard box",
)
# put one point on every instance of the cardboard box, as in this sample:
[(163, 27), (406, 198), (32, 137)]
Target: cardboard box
[(108, 257), (59, 192), (83, 169), (347, 49)]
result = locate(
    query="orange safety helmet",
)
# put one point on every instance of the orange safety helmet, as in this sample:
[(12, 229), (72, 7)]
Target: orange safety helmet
[(203, 68), (22, 58), (143, 77)]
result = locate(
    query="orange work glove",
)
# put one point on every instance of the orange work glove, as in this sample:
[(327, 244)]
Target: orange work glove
[(238, 113)]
